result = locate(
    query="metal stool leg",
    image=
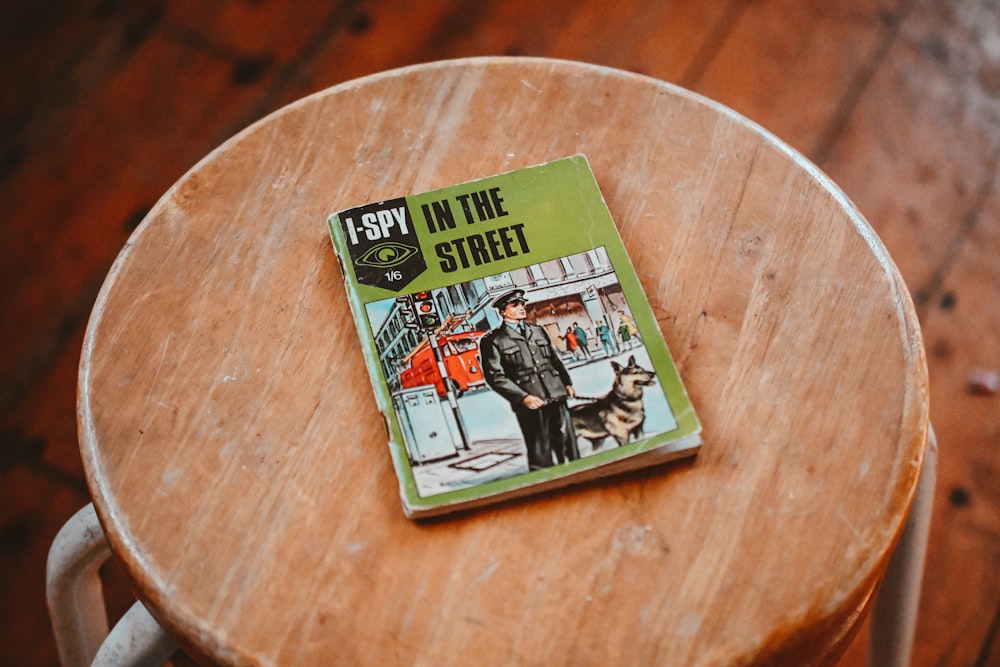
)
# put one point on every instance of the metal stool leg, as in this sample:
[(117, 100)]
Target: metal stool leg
[(894, 616), (76, 601), (76, 604), (136, 640)]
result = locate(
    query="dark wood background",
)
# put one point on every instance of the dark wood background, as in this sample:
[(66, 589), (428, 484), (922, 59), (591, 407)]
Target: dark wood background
[(106, 103)]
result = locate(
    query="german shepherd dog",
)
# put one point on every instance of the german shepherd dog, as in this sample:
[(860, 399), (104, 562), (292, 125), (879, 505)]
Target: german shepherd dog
[(620, 413)]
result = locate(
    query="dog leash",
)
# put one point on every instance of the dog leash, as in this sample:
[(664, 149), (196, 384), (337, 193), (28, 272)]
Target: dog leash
[(592, 399)]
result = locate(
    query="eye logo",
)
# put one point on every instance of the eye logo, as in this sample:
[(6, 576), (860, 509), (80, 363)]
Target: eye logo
[(386, 255)]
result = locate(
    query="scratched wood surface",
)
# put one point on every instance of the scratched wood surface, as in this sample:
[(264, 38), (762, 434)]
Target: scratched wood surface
[(220, 359), (105, 106)]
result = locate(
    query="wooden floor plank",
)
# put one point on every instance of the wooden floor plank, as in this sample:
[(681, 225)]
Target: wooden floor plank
[(899, 101), (919, 157), (243, 31), (32, 509), (45, 413), (989, 652), (920, 152), (92, 171), (49, 60), (806, 60), (962, 333), (660, 40)]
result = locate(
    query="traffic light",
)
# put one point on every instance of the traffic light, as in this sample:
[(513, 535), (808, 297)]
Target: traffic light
[(406, 310), (427, 315)]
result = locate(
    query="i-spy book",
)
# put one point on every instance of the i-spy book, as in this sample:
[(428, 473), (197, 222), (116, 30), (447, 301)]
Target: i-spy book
[(509, 342)]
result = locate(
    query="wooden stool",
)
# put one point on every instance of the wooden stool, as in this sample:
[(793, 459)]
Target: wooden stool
[(238, 462)]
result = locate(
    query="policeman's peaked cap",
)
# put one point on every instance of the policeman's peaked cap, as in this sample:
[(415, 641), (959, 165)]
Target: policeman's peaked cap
[(507, 298)]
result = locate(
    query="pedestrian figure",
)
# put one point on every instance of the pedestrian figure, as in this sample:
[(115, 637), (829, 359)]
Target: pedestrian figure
[(625, 335), (581, 339), (572, 344), (632, 329), (607, 340)]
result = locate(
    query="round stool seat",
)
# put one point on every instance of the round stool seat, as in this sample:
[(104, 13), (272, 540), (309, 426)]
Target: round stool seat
[(238, 461)]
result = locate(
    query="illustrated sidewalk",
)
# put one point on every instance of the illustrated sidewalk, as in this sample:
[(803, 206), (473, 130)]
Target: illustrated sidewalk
[(485, 461)]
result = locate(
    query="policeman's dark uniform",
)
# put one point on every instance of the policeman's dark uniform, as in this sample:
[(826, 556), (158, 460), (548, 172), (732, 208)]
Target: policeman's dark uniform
[(517, 364)]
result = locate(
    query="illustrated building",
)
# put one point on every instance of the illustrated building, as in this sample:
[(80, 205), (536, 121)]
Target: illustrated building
[(581, 288)]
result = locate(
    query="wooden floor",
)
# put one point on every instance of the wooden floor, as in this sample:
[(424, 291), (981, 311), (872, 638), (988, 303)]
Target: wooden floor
[(105, 104)]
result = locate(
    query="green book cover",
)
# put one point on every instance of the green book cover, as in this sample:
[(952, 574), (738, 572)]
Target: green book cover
[(508, 339)]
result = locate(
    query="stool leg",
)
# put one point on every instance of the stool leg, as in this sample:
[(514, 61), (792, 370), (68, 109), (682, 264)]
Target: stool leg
[(76, 604), (894, 616), (136, 640), (73, 588)]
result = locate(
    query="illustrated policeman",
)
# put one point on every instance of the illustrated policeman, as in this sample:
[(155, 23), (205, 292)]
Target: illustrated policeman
[(521, 364)]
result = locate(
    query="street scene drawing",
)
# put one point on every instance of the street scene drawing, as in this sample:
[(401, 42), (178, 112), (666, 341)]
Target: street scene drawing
[(523, 370)]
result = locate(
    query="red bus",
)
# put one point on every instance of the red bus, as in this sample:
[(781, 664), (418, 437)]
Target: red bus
[(460, 353)]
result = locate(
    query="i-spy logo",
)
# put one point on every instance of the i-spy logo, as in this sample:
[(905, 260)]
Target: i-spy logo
[(382, 244)]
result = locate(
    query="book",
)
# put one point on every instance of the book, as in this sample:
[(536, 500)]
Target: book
[(509, 341)]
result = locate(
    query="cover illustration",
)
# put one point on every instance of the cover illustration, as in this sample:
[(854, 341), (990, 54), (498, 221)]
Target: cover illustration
[(508, 339)]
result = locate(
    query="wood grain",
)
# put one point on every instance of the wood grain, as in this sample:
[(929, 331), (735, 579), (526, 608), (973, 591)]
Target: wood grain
[(105, 105), (238, 463)]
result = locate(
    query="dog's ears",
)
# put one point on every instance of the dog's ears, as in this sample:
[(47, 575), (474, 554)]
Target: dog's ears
[(615, 366), (631, 360)]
